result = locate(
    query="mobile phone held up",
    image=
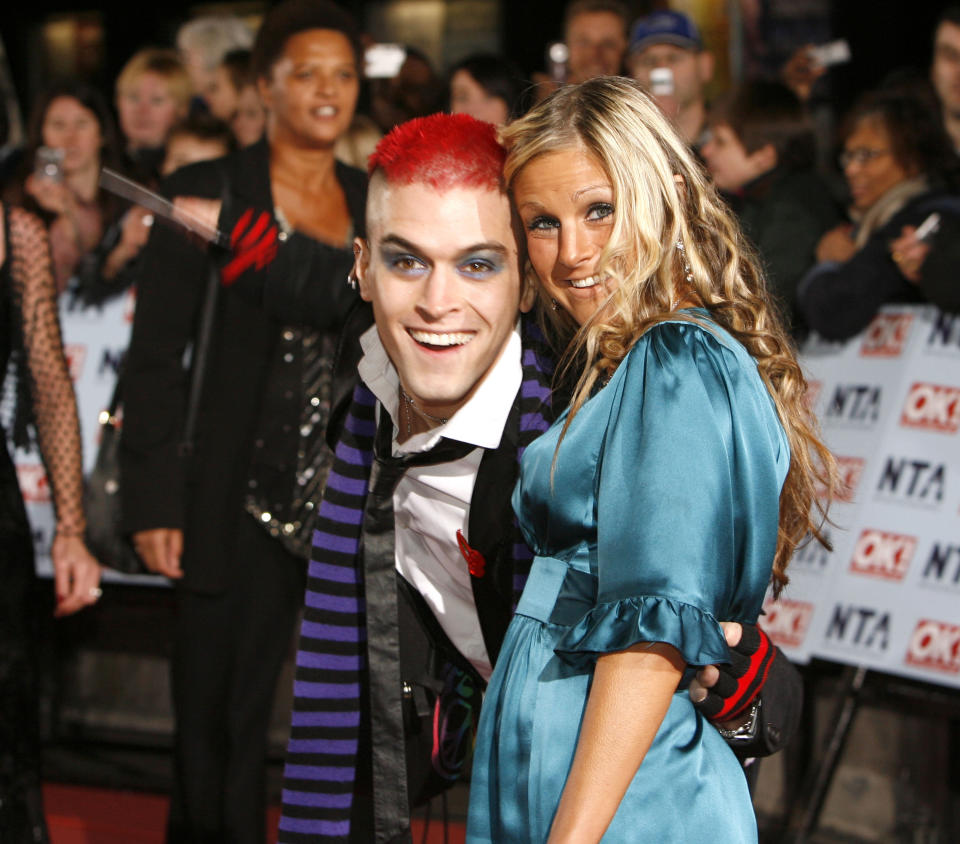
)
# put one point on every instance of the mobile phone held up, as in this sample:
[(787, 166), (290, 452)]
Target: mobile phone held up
[(832, 53), (661, 82), (383, 61), (928, 228), (48, 164), (557, 57)]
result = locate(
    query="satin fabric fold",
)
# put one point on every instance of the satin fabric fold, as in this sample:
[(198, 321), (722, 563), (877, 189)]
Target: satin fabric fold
[(662, 505)]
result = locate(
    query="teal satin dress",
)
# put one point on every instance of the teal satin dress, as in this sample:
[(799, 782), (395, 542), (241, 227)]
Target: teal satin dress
[(660, 519)]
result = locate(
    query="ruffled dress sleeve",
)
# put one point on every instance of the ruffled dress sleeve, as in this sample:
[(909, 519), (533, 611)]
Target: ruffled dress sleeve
[(687, 497)]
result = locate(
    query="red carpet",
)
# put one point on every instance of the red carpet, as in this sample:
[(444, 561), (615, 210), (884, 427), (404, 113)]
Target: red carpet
[(82, 815)]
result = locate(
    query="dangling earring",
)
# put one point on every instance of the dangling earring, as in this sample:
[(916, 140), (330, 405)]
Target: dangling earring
[(687, 271), (351, 277), (554, 304)]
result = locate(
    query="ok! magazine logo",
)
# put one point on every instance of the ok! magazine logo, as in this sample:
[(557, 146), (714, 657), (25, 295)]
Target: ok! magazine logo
[(936, 645), (886, 336), (850, 470), (76, 354), (932, 407), (884, 555), (786, 622), (33, 483), (813, 393)]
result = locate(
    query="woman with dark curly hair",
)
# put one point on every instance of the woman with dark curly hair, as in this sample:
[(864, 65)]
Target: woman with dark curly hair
[(900, 169)]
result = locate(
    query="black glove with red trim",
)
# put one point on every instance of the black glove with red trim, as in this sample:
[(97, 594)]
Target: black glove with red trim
[(741, 680)]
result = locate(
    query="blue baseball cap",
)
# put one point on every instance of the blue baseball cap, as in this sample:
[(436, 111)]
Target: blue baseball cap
[(665, 28)]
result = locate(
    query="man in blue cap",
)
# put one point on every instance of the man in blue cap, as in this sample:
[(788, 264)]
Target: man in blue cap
[(666, 55)]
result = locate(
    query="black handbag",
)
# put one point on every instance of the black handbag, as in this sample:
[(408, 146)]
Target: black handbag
[(102, 498), (105, 538)]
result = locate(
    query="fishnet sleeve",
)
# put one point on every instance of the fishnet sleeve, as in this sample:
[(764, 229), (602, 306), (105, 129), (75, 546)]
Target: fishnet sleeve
[(54, 403)]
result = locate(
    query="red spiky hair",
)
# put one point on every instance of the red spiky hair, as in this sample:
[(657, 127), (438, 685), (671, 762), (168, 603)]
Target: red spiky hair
[(444, 151)]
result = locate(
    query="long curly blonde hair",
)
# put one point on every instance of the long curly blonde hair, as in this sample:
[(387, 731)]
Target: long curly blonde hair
[(663, 198)]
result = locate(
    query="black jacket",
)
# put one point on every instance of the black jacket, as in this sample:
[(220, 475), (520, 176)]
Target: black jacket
[(203, 496), (785, 213), (839, 300)]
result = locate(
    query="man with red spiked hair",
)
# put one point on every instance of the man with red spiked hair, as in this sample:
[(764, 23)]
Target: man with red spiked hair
[(417, 559)]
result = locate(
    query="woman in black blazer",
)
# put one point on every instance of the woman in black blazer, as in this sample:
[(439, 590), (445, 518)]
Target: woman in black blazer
[(230, 523)]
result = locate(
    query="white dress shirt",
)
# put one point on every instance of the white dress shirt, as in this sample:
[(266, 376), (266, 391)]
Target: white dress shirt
[(431, 503)]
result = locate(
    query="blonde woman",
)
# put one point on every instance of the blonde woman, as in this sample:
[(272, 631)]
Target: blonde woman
[(667, 496), (153, 95)]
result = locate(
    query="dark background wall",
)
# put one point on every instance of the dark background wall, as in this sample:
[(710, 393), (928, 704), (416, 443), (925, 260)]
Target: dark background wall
[(884, 34)]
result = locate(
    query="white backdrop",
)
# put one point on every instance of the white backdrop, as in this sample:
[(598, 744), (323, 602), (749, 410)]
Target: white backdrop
[(888, 596), (94, 339)]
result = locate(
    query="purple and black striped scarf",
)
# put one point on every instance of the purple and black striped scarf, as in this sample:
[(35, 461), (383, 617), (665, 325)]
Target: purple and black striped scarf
[(322, 753)]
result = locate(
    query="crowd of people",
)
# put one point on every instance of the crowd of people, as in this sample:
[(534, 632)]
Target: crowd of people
[(424, 275)]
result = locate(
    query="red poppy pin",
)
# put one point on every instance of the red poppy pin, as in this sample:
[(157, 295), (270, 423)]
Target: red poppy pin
[(475, 561)]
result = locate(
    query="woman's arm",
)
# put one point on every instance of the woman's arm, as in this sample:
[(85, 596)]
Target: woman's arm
[(628, 700), (76, 572)]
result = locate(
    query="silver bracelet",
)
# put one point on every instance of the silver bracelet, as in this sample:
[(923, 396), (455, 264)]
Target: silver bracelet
[(747, 731)]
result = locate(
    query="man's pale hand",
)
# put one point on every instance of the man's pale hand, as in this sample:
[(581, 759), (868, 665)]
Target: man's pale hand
[(706, 678), (725, 692)]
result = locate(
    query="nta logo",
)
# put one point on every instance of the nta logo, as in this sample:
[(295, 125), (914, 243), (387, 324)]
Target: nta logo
[(858, 403), (863, 627), (943, 565), (913, 480)]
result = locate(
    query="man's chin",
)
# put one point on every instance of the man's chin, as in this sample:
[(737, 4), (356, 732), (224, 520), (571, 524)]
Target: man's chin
[(439, 401)]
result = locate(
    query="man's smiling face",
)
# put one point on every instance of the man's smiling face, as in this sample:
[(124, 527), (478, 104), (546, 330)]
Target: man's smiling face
[(442, 272)]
